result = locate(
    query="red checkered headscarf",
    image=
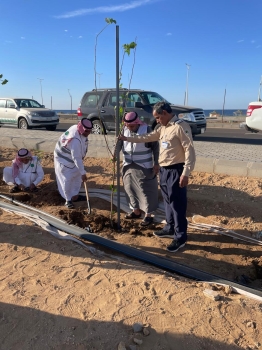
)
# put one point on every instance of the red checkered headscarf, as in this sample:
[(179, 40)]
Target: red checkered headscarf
[(23, 153), (83, 125), (132, 118)]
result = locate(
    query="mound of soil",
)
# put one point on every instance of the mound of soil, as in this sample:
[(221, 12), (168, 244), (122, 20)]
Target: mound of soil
[(229, 201)]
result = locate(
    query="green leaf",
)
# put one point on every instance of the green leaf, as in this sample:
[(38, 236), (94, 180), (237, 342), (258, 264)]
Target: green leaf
[(1, 76), (128, 47), (132, 45), (110, 20), (4, 82)]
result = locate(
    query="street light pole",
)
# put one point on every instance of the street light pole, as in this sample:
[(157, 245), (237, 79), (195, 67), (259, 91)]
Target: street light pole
[(259, 99), (99, 79), (70, 99), (41, 89), (187, 75)]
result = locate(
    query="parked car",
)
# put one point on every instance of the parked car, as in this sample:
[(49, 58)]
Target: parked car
[(26, 113), (253, 117), (140, 101)]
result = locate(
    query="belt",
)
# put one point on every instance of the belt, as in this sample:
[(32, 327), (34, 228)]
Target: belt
[(174, 166)]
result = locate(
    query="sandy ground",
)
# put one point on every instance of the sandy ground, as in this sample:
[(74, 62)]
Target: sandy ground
[(60, 295)]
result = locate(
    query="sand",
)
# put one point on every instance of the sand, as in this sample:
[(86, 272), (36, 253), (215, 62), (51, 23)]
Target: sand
[(58, 294)]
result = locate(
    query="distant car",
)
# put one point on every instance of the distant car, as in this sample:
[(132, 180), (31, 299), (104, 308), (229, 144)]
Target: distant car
[(26, 113), (99, 105), (253, 117)]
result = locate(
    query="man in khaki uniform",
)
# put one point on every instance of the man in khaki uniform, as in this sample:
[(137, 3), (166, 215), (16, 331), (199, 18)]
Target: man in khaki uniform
[(176, 160)]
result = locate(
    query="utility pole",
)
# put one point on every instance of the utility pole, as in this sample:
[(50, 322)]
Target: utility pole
[(187, 75), (70, 99), (40, 80), (224, 105)]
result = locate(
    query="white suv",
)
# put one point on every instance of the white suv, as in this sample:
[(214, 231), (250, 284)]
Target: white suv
[(253, 117), (25, 113)]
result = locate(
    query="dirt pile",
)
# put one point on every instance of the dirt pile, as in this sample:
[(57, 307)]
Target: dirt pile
[(82, 301)]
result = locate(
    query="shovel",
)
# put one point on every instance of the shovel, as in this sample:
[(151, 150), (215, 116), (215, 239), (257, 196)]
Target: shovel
[(87, 199)]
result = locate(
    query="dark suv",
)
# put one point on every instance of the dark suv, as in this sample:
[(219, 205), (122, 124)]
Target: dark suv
[(103, 102)]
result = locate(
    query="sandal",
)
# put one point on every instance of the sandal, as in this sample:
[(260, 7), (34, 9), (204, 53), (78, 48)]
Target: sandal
[(147, 221), (69, 204), (132, 215), (80, 198), (14, 189)]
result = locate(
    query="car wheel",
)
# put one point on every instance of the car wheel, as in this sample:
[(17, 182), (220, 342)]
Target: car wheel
[(98, 128), (51, 127), (22, 124)]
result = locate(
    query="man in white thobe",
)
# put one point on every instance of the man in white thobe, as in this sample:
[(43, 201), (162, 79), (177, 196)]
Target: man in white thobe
[(25, 173), (70, 150)]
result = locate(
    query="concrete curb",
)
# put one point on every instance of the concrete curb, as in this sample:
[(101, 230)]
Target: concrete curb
[(214, 158), (228, 167)]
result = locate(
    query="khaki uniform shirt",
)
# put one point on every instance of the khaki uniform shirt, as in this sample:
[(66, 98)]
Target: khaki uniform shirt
[(175, 143)]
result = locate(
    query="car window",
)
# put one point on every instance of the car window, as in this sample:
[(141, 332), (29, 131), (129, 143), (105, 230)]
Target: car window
[(33, 104), (2, 103), (9, 103), (23, 104), (152, 97), (26, 103), (111, 100), (132, 97), (91, 100)]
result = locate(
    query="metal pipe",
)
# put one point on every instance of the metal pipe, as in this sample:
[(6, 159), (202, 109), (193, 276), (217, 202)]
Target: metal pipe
[(165, 264), (117, 128)]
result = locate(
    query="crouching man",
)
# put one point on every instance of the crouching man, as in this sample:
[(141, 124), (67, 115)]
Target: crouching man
[(25, 173)]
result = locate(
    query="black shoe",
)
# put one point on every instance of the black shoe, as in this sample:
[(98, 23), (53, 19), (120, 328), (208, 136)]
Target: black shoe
[(164, 233), (14, 189), (133, 215), (175, 245), (148, 220), (69, 205)]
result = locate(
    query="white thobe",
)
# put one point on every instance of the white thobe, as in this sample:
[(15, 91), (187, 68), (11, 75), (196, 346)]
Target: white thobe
[(69, 180), (29, 173)]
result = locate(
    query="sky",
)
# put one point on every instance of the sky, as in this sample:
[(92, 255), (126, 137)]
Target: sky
[(55, 51)]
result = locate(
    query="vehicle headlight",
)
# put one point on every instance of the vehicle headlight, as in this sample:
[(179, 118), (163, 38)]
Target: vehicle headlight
[(187, 116), (33, 114)]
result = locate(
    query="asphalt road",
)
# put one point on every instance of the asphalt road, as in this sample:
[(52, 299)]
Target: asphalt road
[(215, 134), (211, 135), (230, 136)]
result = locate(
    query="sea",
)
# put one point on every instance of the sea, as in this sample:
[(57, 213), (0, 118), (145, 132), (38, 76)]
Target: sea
[(226, 112)]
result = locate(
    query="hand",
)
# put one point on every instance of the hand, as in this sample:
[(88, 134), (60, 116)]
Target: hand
[(84, 178), (183, 182), (32, 187), (122, 137), (156, 169)]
